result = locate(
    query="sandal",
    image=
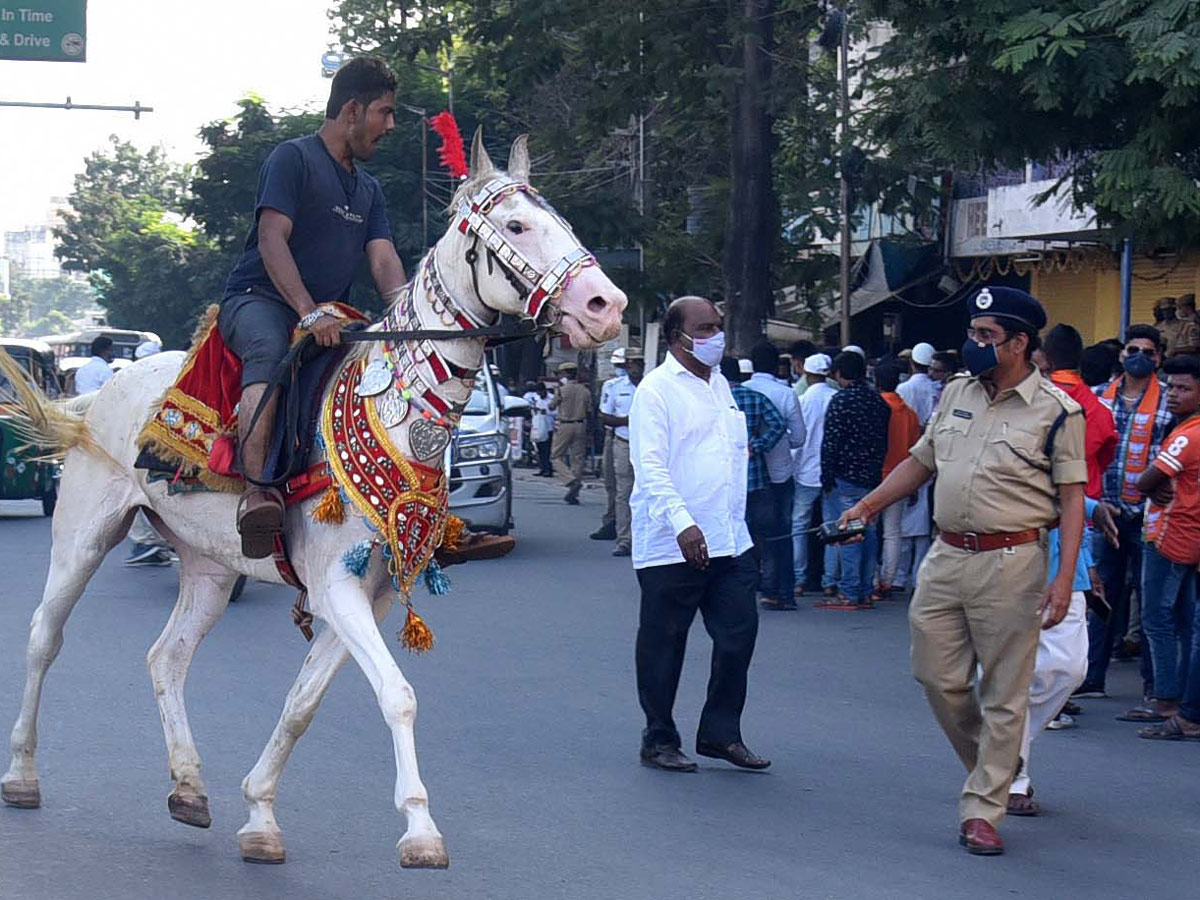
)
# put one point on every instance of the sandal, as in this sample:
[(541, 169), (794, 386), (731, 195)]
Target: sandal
[(259, 520), (1023, 805), (1172, 729), (1149, 711)]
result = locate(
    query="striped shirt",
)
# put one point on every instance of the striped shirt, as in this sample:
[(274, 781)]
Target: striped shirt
[(764, 428)]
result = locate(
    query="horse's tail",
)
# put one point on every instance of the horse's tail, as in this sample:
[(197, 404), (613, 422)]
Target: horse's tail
[(52, 426)]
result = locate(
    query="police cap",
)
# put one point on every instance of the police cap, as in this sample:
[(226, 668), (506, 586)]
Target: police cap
[(1014, 307), (568, 366)]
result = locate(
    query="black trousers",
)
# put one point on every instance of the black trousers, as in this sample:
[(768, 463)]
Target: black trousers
[(543, 449), (724, 594)]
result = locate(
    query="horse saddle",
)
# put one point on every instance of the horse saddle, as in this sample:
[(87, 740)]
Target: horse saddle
[(192, 437)]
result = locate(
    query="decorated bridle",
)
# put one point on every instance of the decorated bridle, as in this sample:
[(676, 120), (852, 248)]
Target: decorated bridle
[(535, 288)]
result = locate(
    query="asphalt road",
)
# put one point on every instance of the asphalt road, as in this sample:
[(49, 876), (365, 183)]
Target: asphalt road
[(528, 734)]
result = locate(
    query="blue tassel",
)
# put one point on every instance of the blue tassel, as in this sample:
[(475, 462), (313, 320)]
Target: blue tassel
[(436, 580), (358, 558)]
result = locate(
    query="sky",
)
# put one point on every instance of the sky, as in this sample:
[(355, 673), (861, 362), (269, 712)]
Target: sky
[(191, 61)]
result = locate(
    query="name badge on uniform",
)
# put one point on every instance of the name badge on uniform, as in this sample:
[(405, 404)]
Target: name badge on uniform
[(963, 414)]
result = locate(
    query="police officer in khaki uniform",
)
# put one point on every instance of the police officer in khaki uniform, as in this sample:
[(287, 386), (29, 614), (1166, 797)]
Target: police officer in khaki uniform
[(1166, 323), (614, 413), (573, 402), (1007, 447), (1187, 339)]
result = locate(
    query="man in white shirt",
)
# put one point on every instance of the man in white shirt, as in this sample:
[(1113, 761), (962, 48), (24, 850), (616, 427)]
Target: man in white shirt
[(608, 522), (771, 521), (691, 547), (919, 390), (614, 413), (94, 374), (807, 470)]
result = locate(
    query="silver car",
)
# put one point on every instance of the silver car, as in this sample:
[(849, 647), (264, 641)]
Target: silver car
[(479, 459)]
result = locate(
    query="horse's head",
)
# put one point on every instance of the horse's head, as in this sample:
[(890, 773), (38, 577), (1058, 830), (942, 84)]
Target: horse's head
[(514, 254)]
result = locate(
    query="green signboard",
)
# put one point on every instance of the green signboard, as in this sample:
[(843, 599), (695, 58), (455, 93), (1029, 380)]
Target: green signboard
[(45, 30)]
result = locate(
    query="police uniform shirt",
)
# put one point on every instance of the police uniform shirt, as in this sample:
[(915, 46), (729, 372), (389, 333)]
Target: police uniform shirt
[(617, 400), (572, 401), (993, 474)]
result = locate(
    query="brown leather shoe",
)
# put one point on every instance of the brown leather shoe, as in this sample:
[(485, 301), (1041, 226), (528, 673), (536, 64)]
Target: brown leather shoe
[(737, 753), (259, 519), (980, 838), (668, 757), (474, 545)]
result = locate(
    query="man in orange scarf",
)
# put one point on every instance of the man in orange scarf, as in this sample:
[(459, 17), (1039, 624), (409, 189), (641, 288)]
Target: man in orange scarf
[(1063, 348), (1139, 407)]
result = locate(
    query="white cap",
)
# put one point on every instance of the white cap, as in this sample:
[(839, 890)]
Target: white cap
[(745, 367), (818, 364), (147, 348), (618, 357), (854, 348), (922, 354)]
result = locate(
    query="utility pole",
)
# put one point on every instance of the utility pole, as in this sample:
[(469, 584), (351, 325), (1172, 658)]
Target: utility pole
[(844, 146)]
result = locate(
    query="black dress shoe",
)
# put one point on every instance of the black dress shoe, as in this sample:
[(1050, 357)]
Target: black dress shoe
[(622, 551), (737, 753), (667, 757), (604, 533)]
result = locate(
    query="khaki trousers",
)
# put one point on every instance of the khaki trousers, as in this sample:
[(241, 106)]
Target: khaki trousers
[(570, 438), (610, 480), (623, 475), (979, 609)]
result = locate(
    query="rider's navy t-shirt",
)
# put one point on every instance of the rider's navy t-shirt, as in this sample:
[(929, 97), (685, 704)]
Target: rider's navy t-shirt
[(334, 214)]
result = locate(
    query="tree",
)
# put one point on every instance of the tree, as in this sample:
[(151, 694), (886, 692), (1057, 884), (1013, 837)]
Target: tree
[(126, 229), (1109, 88), (709, 80)]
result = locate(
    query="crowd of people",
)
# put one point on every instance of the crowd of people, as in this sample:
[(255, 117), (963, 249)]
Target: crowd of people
[(1023, 472)]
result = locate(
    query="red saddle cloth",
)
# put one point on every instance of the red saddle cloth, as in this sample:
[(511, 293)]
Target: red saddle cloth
[(194, 427)]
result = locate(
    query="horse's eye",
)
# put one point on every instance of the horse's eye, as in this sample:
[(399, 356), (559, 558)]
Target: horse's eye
[(515, 227)]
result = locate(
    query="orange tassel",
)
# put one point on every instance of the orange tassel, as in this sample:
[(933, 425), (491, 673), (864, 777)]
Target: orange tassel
[(416, 636), (453, 533), (330, 510)]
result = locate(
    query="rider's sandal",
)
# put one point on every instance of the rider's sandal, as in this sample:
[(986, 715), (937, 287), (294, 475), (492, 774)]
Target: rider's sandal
[(259, 521)]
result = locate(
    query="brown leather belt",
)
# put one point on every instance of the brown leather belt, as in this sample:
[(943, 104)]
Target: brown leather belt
[(979, 543)]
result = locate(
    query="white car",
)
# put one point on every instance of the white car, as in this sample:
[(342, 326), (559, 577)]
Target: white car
[(479, 459)]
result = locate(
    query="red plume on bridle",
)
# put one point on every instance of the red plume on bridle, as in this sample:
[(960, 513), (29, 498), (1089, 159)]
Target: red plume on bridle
[(451, 152)]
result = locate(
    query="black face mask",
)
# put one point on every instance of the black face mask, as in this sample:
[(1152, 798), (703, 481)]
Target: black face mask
[(979, 358)]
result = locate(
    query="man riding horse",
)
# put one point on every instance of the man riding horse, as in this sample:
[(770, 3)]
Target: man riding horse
[(316, 215)]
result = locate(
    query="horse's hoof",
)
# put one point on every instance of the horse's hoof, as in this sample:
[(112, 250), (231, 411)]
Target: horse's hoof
[(190, 809), (21, 794), (261, 847), (423, 853)]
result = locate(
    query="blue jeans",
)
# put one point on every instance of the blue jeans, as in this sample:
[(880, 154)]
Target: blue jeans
[(1189, 708), (858, 560), (806, 502), (1119, 567), (1168, 606)]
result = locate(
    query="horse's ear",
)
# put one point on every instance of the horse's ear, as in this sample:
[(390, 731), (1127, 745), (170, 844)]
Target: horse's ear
[(481, 163), (518, 159)]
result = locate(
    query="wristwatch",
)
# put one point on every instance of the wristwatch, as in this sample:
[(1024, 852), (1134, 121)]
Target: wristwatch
[(311, 319)]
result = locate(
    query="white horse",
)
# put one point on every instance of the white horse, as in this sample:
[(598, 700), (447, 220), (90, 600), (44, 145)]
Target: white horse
[(526, 244)]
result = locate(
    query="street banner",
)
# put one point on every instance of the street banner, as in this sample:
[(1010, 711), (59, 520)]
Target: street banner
[(44, 30)]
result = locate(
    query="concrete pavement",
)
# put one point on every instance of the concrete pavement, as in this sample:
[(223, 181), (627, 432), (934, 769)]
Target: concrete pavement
[(528, 734)]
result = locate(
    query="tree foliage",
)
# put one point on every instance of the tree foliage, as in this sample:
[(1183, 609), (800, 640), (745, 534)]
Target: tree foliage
[(125, 228), (1109, 87)]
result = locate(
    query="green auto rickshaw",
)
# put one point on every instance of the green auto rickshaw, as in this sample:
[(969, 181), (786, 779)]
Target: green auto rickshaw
[(22, 475)]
